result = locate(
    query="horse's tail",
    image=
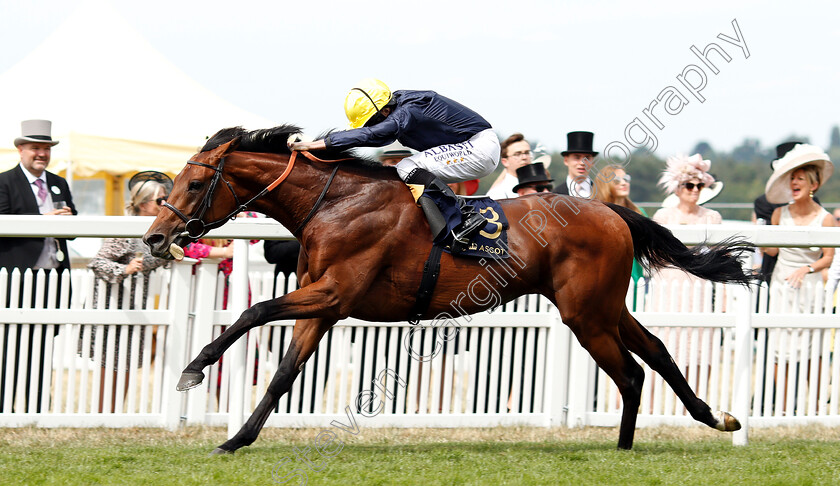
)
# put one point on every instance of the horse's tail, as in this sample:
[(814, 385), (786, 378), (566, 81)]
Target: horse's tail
[(655, 246)]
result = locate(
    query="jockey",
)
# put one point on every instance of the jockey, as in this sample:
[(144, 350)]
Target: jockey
[(454, 144)]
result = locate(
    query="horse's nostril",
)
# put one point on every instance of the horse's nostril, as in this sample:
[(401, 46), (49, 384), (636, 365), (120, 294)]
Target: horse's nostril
[(153, 240)]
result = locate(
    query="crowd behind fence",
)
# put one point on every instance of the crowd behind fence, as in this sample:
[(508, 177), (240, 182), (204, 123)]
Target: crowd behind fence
[(113, 363)]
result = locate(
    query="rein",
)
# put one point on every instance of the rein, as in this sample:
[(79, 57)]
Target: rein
[(196, 228)]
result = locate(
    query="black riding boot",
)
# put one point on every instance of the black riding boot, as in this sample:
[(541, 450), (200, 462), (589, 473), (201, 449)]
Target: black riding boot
[(471, 221)]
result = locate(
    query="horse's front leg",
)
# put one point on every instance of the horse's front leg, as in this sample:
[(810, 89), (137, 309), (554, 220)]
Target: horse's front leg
[(318, 300), (305, 338)]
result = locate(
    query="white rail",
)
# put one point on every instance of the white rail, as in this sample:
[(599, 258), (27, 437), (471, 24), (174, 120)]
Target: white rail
[(517, 365)]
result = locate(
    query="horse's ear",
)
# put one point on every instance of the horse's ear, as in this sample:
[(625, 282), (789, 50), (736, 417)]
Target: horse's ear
[(230, 146)]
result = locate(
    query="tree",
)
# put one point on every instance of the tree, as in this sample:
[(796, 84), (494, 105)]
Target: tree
[(748, 151), (705, 150), (835, 138)]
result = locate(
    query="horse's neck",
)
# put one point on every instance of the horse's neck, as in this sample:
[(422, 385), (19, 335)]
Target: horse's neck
[(292, 201)]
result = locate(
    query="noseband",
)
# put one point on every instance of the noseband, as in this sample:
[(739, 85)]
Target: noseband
[(196, 228)]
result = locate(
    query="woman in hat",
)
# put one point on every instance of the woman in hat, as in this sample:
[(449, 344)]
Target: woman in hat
[(121, 258), (689, 184), (686, 178), (798, 176), (612, 185)]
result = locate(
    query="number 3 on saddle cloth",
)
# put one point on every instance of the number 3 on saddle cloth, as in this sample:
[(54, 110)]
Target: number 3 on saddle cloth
[(490, 242)]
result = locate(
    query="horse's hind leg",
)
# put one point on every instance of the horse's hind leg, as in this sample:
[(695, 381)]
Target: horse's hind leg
[(648, 347), (598, 334), (305, 338)]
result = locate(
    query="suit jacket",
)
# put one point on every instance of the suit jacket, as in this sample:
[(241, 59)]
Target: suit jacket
[(16, 197), (562, 188)]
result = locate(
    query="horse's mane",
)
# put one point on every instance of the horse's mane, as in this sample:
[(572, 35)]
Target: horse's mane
[(274, 141)]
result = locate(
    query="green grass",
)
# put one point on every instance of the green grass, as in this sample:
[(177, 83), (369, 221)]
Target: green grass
[(679, 456)]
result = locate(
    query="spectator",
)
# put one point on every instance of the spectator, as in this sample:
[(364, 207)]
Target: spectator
[(833, 277), (686, 177), (30, 189), (284, 254), (612, 185), (533, 179), (214, 248), (121, 258), (392, 154), (465, 188), (763, 211), (579, 159), (797, 177), (515, 153)]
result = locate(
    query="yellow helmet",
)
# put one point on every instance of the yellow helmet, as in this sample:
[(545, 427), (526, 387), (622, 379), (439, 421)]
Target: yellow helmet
[(364, 100)]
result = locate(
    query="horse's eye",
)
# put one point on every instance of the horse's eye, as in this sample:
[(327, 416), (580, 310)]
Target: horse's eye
[(195, 186)]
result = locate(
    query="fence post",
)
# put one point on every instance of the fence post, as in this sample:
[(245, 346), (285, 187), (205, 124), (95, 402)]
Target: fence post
[(175, 347), (202, 331), (579, 397), (557, 372), (238, 303), (742, 389)]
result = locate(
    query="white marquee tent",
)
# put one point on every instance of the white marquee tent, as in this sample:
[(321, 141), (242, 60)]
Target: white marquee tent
[(117, 105)]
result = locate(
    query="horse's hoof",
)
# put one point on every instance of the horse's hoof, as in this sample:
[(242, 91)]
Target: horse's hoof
[(219, 451), (727, 423), (189, 379)]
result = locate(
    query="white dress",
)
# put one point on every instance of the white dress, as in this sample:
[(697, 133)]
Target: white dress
[(791, 259)]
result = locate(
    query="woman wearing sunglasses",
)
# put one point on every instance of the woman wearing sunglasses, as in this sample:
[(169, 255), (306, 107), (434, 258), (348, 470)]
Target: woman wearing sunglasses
[(121, 258), (686, 178), (612, 185)]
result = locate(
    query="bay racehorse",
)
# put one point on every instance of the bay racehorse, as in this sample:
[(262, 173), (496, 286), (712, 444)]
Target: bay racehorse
[(361, 257)]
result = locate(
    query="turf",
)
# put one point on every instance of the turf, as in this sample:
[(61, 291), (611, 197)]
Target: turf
[(804, 455)]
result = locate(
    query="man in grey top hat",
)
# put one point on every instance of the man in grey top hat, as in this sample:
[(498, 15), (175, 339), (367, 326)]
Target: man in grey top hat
[(391, 155), (30, 189)]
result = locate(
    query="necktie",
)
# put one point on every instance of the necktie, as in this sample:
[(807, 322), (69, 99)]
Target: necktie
[(42, 190)]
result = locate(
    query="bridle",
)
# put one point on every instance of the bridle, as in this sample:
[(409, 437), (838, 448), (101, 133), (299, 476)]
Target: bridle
[(196, 228)]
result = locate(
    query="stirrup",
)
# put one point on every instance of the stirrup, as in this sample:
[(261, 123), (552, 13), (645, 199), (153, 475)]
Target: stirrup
[(464, 233)]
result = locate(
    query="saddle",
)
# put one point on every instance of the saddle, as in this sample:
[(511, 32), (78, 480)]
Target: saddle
[(490, 242)]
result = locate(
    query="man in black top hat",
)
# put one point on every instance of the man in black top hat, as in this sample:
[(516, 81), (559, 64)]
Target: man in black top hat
[(532, 179), (579, 159), (763, 210)]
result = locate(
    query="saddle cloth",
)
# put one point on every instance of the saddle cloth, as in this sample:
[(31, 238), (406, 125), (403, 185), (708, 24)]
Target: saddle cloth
[(491, 241)]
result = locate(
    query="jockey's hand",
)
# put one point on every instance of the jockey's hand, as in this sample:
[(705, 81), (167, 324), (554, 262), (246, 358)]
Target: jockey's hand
[(304, 146)]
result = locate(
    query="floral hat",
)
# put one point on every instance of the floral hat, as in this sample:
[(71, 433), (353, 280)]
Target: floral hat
[(680, 169)]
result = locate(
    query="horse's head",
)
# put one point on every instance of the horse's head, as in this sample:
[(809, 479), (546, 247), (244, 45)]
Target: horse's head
[(198, 203)]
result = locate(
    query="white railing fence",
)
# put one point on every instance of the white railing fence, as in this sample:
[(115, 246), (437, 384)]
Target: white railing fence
[(72, 360)]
